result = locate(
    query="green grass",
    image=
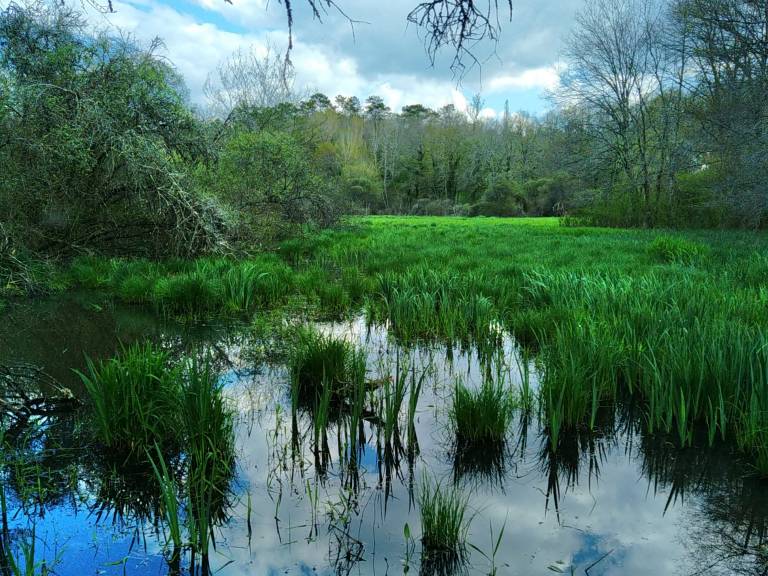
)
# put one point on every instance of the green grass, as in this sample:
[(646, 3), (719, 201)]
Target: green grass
[(148, 407), (444, 521), (673, 319), (320, 362), (481, 417), (188, 289), (675, 249), (135, 398), (209, 446)]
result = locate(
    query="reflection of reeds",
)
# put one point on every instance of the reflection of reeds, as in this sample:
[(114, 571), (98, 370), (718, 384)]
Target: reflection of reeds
[(141, 396)]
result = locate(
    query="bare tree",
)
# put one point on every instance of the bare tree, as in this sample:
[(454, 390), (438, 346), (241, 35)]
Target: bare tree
[(456, 24), (256, 77), (729, 81), (627, 81)]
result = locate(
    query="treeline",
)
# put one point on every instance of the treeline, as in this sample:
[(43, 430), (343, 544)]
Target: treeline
[(660, 120)]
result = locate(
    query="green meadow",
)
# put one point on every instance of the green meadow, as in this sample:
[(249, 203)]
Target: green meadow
[(672, 320)]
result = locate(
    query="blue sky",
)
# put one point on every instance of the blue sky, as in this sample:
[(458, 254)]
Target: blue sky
[(383, 56)]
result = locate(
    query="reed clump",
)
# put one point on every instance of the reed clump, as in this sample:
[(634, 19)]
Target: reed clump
[(135, 398), (480, 417), (444, 521), (320, 362)]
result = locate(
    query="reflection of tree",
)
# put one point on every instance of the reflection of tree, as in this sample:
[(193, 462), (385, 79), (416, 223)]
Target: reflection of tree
[(728, 518), (577, 448)]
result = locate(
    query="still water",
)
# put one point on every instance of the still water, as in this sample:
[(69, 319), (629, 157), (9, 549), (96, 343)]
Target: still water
[(613, 502)]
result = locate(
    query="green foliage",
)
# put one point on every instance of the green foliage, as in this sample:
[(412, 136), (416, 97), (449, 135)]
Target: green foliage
[(190, 294), (209, 444), (101, 127), (444, 520), (268, 179), (135, 398), (319, 362), (677, 250), (480, 418)]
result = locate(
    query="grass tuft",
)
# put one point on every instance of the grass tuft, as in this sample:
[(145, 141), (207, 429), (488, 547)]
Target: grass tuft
[(444, 520)]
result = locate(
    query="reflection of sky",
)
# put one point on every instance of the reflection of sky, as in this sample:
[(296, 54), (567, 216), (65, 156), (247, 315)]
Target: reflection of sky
[(615, 515)]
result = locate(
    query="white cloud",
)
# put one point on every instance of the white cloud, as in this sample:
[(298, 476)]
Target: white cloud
[(383, 57), (545, 78)]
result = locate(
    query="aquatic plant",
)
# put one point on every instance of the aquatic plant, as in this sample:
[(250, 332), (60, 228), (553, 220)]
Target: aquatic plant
[(135, 397), (318, 361), (444, 520), (189, 294), (209, 447), (480, 417)]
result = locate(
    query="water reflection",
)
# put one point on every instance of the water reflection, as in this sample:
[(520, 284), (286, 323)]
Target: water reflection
[(337, 499)]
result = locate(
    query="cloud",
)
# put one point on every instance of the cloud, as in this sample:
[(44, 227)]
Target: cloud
[(380, 54), (545, 78)]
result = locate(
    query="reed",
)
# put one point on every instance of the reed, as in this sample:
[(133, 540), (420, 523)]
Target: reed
[(135, 398), (444, 520), (318, 361), (481, 417)]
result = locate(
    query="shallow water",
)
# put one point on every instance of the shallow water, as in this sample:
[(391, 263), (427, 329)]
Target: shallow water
[(613, 502)]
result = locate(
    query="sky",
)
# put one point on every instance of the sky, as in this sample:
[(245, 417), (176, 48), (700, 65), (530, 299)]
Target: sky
[(381, 54)]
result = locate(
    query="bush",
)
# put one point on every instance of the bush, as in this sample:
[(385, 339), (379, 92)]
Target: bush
[(101, 131)]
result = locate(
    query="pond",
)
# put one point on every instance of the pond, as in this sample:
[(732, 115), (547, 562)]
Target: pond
[(614, 500)]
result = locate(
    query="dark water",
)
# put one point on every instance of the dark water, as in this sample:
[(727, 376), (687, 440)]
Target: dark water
[(616, 501)]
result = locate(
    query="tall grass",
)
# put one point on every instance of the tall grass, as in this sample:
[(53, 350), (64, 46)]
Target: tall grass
[(209, 445), (481, 417), (318, 362), (135, 398), (444, 520), (201, 288), (610, 312)]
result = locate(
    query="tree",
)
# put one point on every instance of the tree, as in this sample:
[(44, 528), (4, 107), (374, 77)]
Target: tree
[(727, 44), (91, 139), (626, 81), (255, 77)]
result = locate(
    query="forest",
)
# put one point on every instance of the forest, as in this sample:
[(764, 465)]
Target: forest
[(660, 120), (278, 331)]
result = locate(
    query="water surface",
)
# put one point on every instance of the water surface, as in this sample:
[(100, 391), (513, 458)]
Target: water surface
[(615, 501)]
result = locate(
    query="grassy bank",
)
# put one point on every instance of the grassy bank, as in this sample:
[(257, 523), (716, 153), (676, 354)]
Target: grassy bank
[(674, 320)]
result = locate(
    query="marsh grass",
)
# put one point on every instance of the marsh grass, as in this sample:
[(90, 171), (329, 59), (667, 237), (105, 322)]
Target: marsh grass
[(208, 460), (609, 312), (444, 522), (209, 446), (194, 289), (318, 362), (135, 398), (480, 418)]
